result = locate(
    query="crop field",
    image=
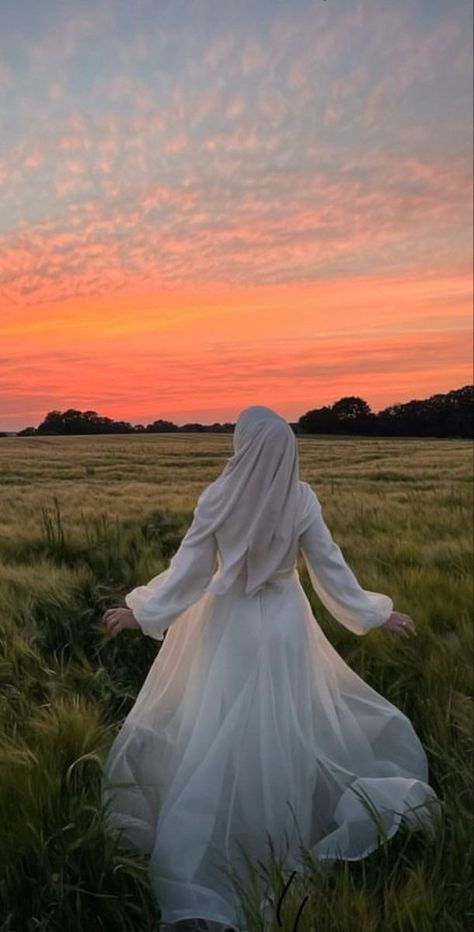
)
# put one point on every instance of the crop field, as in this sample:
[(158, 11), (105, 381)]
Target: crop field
[(85, 519)]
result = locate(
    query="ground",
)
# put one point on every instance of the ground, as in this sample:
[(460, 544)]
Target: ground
[(83, 520)]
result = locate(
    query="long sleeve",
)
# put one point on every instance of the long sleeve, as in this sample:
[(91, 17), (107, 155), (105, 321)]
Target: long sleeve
[(158, 603), (356, 608)]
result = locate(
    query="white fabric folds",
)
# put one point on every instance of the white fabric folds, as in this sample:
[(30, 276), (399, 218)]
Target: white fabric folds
[(257, 496), (249, 724)]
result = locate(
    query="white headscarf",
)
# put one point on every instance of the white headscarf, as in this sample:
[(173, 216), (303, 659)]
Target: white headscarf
[(256, 494)]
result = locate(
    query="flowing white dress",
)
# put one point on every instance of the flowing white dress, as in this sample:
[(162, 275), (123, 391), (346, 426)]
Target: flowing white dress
[(250, 725)]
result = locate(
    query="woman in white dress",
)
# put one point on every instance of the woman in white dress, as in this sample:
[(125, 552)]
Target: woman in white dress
[(250, 728)]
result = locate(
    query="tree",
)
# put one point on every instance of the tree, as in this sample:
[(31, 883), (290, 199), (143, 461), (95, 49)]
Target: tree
[(317, 421), (348, 415), (352, 415), (192, 427), (161, 426), (350, 408), (52, 424), (449, 415)]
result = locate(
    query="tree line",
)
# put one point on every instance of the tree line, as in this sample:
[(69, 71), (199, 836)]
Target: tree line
[(441, 415)]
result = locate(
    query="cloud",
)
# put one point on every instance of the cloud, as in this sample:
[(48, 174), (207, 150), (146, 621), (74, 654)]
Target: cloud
[(192, 146), (228, 228)]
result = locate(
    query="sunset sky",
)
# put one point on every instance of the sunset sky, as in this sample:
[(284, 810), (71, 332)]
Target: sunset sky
[(207, 204)]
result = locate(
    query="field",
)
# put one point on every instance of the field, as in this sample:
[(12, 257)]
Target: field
[(85, 519)]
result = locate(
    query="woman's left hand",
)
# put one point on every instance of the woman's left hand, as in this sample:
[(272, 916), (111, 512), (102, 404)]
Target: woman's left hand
[(116, 619)]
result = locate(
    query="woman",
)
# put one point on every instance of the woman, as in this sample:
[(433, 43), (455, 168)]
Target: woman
[(250, 726)]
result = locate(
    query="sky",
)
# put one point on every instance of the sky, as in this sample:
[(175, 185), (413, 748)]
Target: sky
[(207, 204)]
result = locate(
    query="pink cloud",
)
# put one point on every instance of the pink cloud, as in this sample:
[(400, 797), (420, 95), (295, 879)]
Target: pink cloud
[(225, 173)]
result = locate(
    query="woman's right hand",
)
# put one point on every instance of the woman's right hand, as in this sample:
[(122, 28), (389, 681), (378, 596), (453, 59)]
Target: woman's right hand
[(400, 623)]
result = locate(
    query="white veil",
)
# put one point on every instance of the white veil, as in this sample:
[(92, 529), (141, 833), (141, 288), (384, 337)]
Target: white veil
[(257, 495)]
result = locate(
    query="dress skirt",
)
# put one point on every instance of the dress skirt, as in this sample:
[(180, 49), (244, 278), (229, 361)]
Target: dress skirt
[(250, 727)]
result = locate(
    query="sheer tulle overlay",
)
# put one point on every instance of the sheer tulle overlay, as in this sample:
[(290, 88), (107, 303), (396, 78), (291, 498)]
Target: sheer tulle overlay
[(250, 725)]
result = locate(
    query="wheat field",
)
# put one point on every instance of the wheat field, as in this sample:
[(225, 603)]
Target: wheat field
[(85, 519)]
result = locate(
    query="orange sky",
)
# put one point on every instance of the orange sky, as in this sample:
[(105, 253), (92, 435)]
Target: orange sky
[(205, 353), (249, 203)]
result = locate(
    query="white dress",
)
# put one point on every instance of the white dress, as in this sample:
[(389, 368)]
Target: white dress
[(251, 726)]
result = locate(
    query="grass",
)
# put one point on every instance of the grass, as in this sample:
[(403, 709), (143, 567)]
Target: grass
[(83, 520)]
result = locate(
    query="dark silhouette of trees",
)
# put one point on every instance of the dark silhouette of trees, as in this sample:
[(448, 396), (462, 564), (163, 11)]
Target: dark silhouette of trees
[(350, 408), (448, 415), (158, 427), (73, 421), (193, 428), (349, 415), (81, 422), (352, 415), (316, 421)]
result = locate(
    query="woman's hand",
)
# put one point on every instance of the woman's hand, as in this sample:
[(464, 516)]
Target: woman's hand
[(116, 619), (400, 623)]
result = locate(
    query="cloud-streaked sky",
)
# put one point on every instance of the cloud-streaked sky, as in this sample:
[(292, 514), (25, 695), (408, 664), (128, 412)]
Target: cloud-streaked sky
[(212, 203)]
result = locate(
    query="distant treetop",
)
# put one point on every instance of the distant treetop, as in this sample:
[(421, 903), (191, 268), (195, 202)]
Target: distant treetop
[(442, 415)]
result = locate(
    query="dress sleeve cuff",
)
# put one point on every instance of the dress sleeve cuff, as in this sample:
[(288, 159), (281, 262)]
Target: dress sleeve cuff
[(147, 627), (383, 608)]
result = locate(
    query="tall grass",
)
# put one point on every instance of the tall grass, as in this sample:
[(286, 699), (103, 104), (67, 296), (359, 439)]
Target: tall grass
[(83, 520)]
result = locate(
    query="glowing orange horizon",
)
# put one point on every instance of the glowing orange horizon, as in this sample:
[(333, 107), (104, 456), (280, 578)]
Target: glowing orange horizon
[(204, 353)]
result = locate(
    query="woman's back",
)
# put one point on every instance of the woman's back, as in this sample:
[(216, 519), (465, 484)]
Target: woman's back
[(228, 539), (203, 559)]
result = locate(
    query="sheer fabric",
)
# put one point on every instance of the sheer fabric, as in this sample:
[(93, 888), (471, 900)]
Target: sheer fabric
[(251, 726)]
